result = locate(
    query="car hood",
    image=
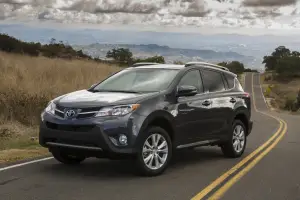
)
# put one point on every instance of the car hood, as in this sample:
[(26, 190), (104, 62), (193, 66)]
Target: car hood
[(85, 98)]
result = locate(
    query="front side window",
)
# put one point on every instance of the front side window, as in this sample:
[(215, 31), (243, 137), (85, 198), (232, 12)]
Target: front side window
[(192, 78), (213, 81), (138, 80)]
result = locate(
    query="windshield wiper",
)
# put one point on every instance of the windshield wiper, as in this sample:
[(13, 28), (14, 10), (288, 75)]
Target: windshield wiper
[(122, 91)]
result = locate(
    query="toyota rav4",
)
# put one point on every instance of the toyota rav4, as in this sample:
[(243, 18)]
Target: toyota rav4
[(146, 112)]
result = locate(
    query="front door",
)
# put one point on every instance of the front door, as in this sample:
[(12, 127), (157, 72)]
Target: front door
[(221, 107), (193, 111)]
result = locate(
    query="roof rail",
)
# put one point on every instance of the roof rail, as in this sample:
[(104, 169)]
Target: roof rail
[(206, 64), (144, 64)]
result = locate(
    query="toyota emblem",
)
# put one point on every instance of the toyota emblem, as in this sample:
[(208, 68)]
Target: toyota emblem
[(70, 113)]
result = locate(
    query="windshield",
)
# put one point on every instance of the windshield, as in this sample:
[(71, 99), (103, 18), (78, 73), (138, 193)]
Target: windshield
[(138, 80)]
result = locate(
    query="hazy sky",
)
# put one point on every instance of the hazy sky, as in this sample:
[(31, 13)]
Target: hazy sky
[(210, 16)]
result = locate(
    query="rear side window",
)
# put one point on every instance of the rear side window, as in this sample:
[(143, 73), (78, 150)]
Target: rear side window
[(192, 78), (230, 80), (213, 81), (238, 85)]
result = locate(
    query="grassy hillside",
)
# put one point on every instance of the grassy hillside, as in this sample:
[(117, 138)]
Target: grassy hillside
[(281, 94), (27, 84)]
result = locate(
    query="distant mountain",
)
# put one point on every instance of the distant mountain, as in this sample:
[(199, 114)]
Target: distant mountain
[(251, 49), (170, 54)]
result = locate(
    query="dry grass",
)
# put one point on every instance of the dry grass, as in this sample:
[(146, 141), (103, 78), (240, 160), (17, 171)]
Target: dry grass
[(12, 155), (282, 92), (27, 84)]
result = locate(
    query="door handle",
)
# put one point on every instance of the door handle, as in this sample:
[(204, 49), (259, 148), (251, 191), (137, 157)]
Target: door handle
[(232, 100), (206, 103)]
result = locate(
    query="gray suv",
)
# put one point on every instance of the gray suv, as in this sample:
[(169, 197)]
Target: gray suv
[(148, 111)]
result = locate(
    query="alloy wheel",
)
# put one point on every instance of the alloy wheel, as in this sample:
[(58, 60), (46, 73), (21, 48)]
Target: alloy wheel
[(155, 151), (238, 139)]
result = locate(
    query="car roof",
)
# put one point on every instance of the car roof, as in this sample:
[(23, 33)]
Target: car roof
[(160, 66), (179, 67)]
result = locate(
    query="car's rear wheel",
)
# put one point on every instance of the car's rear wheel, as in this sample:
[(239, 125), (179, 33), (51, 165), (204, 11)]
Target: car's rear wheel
[(65, 158), (236, 145), (155, 152)]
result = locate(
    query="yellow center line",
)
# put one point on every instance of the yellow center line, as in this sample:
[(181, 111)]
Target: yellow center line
[(219, 193), (219, 180)]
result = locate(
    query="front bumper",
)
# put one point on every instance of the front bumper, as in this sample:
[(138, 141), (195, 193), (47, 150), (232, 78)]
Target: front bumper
[(90, 137)]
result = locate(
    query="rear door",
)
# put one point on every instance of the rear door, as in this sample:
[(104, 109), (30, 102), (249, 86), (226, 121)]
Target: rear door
[(221, 108), (192, 119)]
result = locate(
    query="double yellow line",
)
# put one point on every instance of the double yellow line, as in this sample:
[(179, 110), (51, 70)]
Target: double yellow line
[(212, 192)]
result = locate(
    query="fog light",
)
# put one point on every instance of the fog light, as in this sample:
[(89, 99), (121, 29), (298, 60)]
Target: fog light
[(123, 139)]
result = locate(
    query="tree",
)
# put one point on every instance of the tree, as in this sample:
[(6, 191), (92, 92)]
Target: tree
[(270, 62), (155, 59), (234, 66), (52, 50), (223, 64), (295, 53), (177, 62), (120, 55), (280, 52), (250, 70), (288, 67)]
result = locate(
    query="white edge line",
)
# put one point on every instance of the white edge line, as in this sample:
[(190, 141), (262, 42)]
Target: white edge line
[(262, 92), (25, 163)]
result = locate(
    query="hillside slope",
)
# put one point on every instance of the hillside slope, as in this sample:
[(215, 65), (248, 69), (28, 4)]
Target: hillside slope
[(27, 84)]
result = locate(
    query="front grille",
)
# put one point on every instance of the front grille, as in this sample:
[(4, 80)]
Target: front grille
[(60, 114), (73, 128), (82, 116), (82, 112)]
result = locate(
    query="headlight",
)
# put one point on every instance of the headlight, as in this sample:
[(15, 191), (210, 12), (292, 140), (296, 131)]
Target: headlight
[(117, 110), (51, 108)]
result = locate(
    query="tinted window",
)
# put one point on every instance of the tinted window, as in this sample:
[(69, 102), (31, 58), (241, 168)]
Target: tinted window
[(230, 81), (213, 81), (192, 78), (238, 85)]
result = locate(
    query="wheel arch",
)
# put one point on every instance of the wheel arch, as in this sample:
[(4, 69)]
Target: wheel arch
[(244, 118), (162, 119)]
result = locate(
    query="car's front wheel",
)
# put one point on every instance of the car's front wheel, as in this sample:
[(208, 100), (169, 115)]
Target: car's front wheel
[(65, 158), (155, 152), (236, 145)]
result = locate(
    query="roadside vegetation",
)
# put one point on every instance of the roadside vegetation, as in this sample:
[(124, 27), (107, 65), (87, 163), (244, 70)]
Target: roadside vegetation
[(32, 74), (27, 84), (281, 80)]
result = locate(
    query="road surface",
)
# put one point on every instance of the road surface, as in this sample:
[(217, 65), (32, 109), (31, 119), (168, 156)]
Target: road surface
[(198, 174)]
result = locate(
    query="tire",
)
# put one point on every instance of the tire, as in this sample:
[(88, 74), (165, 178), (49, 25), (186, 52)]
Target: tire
[(228, 148), (145, 154), (65, 158)]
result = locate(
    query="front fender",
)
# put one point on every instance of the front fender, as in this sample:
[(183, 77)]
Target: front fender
[(161, 116)]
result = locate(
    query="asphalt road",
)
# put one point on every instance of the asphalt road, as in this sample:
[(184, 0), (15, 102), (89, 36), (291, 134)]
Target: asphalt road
[(274, 177)]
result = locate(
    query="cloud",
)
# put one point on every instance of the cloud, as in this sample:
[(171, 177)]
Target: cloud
[(197, 13), (268, 3), (193, 8), (120, 6), (265, 13)]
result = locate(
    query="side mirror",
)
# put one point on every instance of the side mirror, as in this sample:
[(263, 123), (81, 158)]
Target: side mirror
[(186, 90)]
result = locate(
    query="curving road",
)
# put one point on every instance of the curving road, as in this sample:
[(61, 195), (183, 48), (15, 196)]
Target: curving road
[(273, 177)]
